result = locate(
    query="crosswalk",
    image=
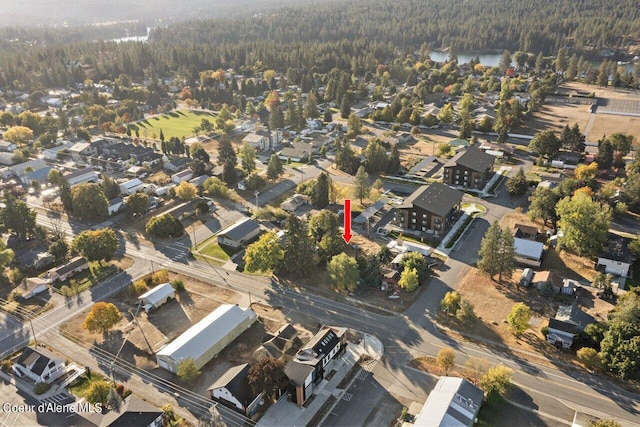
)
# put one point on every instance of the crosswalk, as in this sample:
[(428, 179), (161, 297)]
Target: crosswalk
[(367, 368), (62, 398)]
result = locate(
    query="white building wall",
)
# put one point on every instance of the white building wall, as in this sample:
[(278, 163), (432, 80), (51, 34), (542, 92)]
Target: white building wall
[(617, 268), (223, 393)]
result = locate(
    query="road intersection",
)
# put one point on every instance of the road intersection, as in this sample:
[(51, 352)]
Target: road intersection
[(545, 389)]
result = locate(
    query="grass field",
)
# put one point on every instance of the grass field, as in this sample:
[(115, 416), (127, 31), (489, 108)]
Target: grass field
[(178, 123)]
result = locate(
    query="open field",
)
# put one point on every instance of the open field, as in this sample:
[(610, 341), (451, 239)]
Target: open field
[(606, 124), (555, 117), (179, 123)]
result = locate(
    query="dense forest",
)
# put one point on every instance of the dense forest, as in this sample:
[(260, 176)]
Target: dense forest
[(85, 12), (355, 36), (526, 25)]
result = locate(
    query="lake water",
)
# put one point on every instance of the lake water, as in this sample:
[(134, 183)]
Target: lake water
[(492, 59), (133, 38), (486, 59)]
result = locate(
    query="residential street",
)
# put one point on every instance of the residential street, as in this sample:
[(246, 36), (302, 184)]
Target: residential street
[(549, 391)]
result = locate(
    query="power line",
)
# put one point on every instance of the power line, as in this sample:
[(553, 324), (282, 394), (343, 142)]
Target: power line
[(107, 357)]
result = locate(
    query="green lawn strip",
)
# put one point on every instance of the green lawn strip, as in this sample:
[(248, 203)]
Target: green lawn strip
[(80, 386), (212, 249), (177, 123)]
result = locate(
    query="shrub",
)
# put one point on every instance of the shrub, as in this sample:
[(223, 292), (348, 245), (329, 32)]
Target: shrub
[(5, 365), (41, 388), (139, 287), (545, 331), (178, 285), (160, 276)]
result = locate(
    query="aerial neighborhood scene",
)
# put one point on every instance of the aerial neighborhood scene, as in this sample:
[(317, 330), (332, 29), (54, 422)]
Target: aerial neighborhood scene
[(330, 213)]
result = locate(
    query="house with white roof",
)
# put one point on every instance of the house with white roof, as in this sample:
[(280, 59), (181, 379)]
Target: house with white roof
[(130, 187), (157, 296), (454, 402)]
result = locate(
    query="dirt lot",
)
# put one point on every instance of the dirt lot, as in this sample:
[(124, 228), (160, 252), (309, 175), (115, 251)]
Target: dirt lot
[(493, 302), (556, 117), (606, 124)]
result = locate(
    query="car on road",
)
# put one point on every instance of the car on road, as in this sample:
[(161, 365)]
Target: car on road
[(382, 231)]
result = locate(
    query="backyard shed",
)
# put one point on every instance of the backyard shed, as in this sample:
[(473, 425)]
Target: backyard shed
[(157, 296), (204, 340)]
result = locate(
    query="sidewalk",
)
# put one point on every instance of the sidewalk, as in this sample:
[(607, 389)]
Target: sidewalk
[(442, 247), (286, 413)]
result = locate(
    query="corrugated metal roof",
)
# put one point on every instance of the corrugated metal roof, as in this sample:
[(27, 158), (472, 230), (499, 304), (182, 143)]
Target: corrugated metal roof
[(205, 334), (158, 293)]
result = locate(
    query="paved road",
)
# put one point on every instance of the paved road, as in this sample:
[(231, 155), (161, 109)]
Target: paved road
[(404, 336)]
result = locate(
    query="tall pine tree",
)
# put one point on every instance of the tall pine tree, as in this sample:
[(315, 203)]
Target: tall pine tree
[(497, 252), (299, 251)]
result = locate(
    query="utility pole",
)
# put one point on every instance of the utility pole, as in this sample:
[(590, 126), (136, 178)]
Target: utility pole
[(33, 332), (141, 331)]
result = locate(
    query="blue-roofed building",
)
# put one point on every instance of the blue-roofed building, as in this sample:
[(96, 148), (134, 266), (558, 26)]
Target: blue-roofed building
[(39, 176)]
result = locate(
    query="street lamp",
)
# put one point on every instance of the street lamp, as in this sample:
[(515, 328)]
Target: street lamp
[(257, 193)]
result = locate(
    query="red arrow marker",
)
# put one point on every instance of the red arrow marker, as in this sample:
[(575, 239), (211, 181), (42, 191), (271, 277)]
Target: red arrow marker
[(347, 221)]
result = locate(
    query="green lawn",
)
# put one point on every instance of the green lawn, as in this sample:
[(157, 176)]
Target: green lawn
[(80, 386), (213, 249), (179, 123)]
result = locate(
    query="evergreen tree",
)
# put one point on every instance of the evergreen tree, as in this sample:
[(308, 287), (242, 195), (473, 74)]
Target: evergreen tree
[(274, 168), (497, 253), (362, 187), (517, 185), (227, 158), (321, 193), (345, 107), (393, 165), (276, 118), (299, 249)]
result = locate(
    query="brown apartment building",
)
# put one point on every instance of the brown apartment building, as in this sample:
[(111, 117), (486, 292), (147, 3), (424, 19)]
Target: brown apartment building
[(471, 168), (429, 210)]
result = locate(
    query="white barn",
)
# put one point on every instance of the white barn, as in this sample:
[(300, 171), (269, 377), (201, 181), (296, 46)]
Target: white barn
[(157, 296), (204, 340), (130, 187)]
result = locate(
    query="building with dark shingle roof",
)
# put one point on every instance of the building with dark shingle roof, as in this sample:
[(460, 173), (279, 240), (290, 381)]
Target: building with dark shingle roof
[(39, 364), (232, 389), (239, 233), (134, 412), (430, 209), (313, 361), (67, 270), (471, 168)]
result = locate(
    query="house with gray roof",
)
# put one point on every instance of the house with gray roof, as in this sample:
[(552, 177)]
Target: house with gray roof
[(314, 361), (470, 168), (430, 210), (37, 176), (239, 233), (570, 320), (39, 364), (232, 390), (132, 412)]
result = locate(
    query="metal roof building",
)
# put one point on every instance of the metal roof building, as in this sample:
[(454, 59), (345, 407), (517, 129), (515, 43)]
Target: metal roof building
[(454, 402), (204, 340), (157, 296)]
